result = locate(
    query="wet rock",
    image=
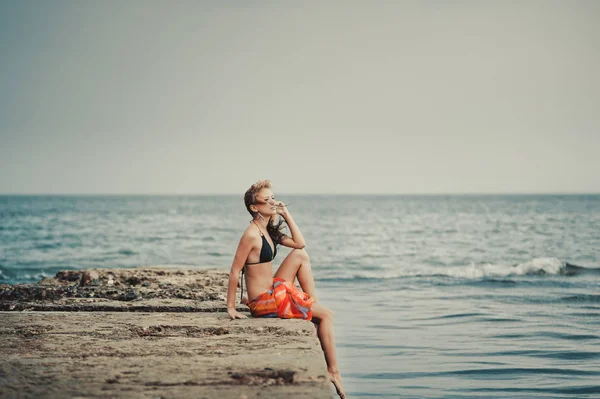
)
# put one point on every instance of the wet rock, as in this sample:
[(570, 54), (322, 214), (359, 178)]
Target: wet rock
[(69, 275), (48, 281), (131, 295), (89, 277), (133, 280), (192, 290)]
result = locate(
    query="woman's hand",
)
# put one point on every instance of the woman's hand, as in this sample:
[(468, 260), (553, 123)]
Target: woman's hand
[(281, 208), (234, 314)]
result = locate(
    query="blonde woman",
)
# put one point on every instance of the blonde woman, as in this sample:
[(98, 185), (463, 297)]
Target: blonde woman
[(276, 296)]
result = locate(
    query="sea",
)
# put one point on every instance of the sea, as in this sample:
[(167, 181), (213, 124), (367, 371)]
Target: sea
[(434, 296)]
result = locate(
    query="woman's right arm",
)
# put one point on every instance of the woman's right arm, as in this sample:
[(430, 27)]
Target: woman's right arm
[(241, 254)]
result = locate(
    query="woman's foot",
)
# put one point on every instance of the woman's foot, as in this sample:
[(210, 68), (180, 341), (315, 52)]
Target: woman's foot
[(336, 379)]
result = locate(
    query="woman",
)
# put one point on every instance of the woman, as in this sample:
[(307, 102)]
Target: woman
[(277, 296)]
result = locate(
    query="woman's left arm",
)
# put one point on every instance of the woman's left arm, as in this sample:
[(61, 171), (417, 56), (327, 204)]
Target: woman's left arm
[(296, 240)]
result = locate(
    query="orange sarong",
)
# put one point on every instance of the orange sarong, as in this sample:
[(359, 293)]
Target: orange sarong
[(284, 300)]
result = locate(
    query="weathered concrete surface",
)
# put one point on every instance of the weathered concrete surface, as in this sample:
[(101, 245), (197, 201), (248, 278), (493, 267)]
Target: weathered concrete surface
[(183, 348), (171, 289)]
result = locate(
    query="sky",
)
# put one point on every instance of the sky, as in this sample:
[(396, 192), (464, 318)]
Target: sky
[(347, 97)]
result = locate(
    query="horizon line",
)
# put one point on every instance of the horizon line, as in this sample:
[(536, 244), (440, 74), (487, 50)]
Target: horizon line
[(299, 194)]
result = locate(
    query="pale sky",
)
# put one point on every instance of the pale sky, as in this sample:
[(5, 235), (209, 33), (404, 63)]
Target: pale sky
[(192, 97)]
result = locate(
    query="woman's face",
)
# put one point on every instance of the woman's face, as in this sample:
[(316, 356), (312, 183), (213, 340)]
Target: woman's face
[(265, 202)]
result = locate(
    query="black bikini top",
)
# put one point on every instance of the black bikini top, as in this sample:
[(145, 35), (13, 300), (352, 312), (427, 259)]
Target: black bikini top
[(266, 255)]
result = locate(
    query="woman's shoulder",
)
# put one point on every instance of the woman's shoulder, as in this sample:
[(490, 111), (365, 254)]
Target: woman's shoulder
[(251, 233)]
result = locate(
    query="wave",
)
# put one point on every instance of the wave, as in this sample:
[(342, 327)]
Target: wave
[(480, 372), (127, 252), (582, 298), (488, 271)]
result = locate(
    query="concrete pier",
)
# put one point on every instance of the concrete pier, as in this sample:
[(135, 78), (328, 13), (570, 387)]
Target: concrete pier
[(158, 332)]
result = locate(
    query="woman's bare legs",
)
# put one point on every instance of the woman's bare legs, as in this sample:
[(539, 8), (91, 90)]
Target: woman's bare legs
[(323, 319), (297, 264)]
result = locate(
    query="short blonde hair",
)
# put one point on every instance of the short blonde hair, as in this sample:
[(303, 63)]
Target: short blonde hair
[(252, 192)]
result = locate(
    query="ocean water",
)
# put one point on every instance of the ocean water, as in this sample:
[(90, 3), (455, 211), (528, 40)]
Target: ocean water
[(434, 296)]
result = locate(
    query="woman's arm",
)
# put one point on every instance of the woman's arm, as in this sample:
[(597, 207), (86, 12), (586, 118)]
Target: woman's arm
[(297, 240), (241, 254)]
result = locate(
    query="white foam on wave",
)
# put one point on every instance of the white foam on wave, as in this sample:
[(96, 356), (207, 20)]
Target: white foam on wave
[(534, 266), (552, 266), (34, 276)]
